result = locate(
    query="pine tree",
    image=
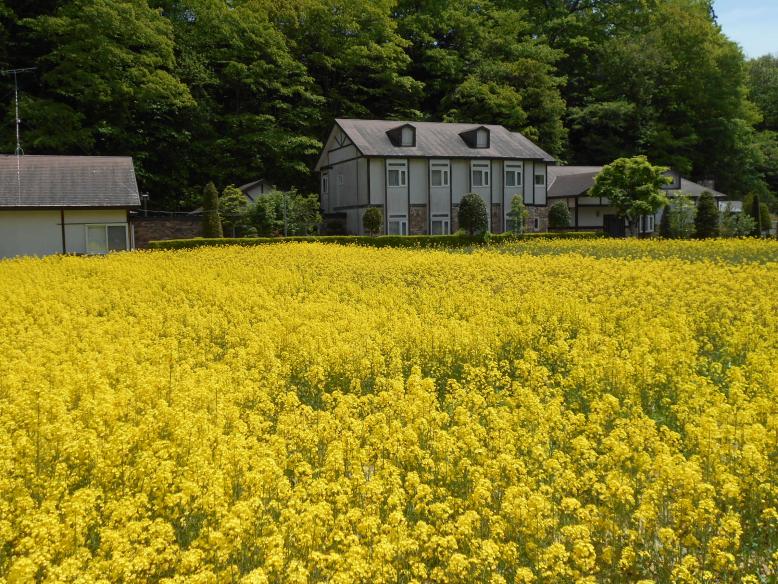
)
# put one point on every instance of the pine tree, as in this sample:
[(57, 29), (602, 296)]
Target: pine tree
[(212, 223), (706, 222)]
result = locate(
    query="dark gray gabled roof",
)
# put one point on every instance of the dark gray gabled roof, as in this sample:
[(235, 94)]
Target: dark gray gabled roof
[(571, 181), (67, 181), (574, 181), (438, 140)]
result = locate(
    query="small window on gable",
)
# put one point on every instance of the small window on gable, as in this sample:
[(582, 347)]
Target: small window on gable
[(403, 136), (482, 138), (477, 137), (325, 183), (540, 180)]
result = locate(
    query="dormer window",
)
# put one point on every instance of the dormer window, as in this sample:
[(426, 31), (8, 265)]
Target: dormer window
[(403, 136), (477, 137)]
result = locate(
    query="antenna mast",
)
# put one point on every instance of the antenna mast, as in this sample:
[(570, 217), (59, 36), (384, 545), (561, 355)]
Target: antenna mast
[(18, 122)]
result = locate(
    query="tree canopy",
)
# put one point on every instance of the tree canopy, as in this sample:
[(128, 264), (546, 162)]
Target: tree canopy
[(234, 90), (633, 186)]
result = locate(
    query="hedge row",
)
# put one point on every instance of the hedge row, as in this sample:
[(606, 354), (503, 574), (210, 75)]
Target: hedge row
[(444, 241)]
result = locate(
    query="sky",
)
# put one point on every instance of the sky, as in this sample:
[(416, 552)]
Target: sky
[(753, 24)]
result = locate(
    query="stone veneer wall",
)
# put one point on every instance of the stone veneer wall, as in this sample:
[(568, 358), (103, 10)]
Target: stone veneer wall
[(542, 214), (418, 220), (497, 223), (158, 228)]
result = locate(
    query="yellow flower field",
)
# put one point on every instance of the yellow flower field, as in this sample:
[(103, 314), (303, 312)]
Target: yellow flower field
[(544, 412)]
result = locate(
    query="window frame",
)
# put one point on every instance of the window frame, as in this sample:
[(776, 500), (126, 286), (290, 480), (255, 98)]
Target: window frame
[(105, 227), (542, 178), (444, 219), (325, 183), (402, 224), (536, 224), (401, 167), (444, 167), (517, 169), (483, 168)]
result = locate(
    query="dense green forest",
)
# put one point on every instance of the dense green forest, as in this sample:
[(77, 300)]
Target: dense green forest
[(232, 90)]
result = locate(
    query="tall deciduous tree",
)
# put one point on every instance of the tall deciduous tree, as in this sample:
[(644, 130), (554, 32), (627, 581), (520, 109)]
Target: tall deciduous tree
[(482, 61), (633, 186), (107, 84)]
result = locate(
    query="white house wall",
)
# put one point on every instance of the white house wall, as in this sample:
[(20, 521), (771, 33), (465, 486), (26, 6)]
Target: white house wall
[(418, 180), (40, 232), (540, 190), (35, 233), (593, 217), (460, 177), (343, 153), (397, 197), (377, 181), (344, 185), (509, 192), (440, 197)]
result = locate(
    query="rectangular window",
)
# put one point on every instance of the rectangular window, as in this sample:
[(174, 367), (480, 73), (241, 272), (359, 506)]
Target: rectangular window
[(397, 174), (440, 225), (439, 174), (512, 175), (536, 224), (340, 180), (398, 225), (104, 238), (480, 174), (325, 184), (540, 180)]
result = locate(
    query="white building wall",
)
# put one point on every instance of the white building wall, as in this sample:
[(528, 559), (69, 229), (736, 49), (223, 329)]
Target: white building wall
[(397, 203), (39, 233), (419, 180), (593, 216), (460, 177), (377, 181), (509, 192), (529, 181), (540, 190), (484, 192), (35, 233), (344, 185)]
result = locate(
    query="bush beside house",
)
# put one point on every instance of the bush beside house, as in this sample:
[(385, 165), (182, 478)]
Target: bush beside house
[(473, 217)]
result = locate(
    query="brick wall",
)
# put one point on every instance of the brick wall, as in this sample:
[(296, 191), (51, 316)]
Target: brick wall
[(542, 215), (418, 220), (454, 218), (497, 223), (157, 228)]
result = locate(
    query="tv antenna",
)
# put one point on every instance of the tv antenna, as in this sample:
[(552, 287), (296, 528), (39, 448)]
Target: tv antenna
[(18, 121)]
